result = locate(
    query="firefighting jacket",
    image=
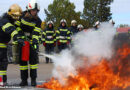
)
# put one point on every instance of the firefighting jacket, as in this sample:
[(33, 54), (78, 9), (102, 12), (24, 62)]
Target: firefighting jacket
[(49, 36), (30, 28), (63, 34), (73, 30), (7, 30)]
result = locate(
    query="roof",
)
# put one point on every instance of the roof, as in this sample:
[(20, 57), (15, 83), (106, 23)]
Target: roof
[(123, 30)]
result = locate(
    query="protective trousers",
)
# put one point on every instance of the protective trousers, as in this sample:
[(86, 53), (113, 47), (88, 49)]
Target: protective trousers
[(62, 46), (33, 61), (3, 64), (49, 49)]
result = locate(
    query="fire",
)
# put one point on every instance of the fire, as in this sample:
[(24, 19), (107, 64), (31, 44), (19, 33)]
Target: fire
[(106, 75)]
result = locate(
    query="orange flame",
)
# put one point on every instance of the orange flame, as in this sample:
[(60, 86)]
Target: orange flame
[(108, 74)]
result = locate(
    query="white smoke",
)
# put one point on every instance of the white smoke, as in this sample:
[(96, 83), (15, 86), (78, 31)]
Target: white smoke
[(95, 44), (91, 44)]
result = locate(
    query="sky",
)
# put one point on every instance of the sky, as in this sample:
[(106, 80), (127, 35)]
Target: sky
[(119, 8)]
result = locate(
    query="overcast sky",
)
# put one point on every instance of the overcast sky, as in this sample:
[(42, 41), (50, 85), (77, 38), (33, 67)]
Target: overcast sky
[(119, 8)]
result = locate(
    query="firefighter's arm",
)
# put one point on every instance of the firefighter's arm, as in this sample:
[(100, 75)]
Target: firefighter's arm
[(54, 36), (43, 36), (69, 35), (57, 35), (20, 32), (35, 35), (11, 30)]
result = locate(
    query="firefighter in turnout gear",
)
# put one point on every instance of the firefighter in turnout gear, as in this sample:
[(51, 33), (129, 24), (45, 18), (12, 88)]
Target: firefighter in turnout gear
[(73, 27), (30, 30), (63, 35), (80, 27), (8, 31), (49, 39), (96, 25), (112, 22)]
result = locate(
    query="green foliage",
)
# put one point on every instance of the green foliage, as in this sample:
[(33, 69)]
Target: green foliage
[(96, 10), (60, 9), (124, 25)]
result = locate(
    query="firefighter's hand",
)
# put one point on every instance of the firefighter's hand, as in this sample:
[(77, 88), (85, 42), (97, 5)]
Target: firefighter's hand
[(54, 44), (44, 44), (21, 42), (36, 47), (58, 42), (68, 43)]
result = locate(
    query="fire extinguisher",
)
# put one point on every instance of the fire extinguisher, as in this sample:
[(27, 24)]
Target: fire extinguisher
[(26, 51), (1, 81)]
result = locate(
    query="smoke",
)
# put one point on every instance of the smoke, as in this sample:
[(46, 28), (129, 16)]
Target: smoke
[(92, 44), (95, 44)]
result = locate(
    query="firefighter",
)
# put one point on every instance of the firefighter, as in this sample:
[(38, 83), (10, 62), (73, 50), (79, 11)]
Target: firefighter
[(49, 39), (96, 25), (80, 27), (112, 22), (63, 35), (8, 31), (31, 29), (73, 27)]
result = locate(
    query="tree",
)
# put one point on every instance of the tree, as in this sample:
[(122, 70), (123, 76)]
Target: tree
[(96, 10), (123, 25), (60, 9)]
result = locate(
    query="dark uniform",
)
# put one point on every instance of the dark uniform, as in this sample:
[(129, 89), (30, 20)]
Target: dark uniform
[(73, 30), (30, 30), (63, 37), (49, 41), (7, 31)]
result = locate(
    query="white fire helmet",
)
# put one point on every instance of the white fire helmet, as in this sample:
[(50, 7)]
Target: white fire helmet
[(111, 21), (73, 22), (63, 20), (33, 5), (80, 26), (97, 23), (50, 22)]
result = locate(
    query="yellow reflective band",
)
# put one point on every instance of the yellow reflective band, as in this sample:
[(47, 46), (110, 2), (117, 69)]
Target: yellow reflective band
[(14, 33), (15, 42), (54, 34), (23, 67), (54, 39), (17, 23), (18, 29), (63, 29), (3, 72), (44, 33), (3, 45), (49, 42), (27, 23), (63, 41), (68, 37), (34, 66), (6, 26), (68, 32), (43, 39), (58, 31), (37, 29), (57, 37), (36, 37), (49, 31)]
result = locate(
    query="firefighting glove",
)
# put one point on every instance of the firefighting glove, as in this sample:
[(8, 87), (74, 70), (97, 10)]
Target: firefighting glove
[(35, 45), (58, 42), (68, 42), (44, 44), (54, 44), (21, 42)]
